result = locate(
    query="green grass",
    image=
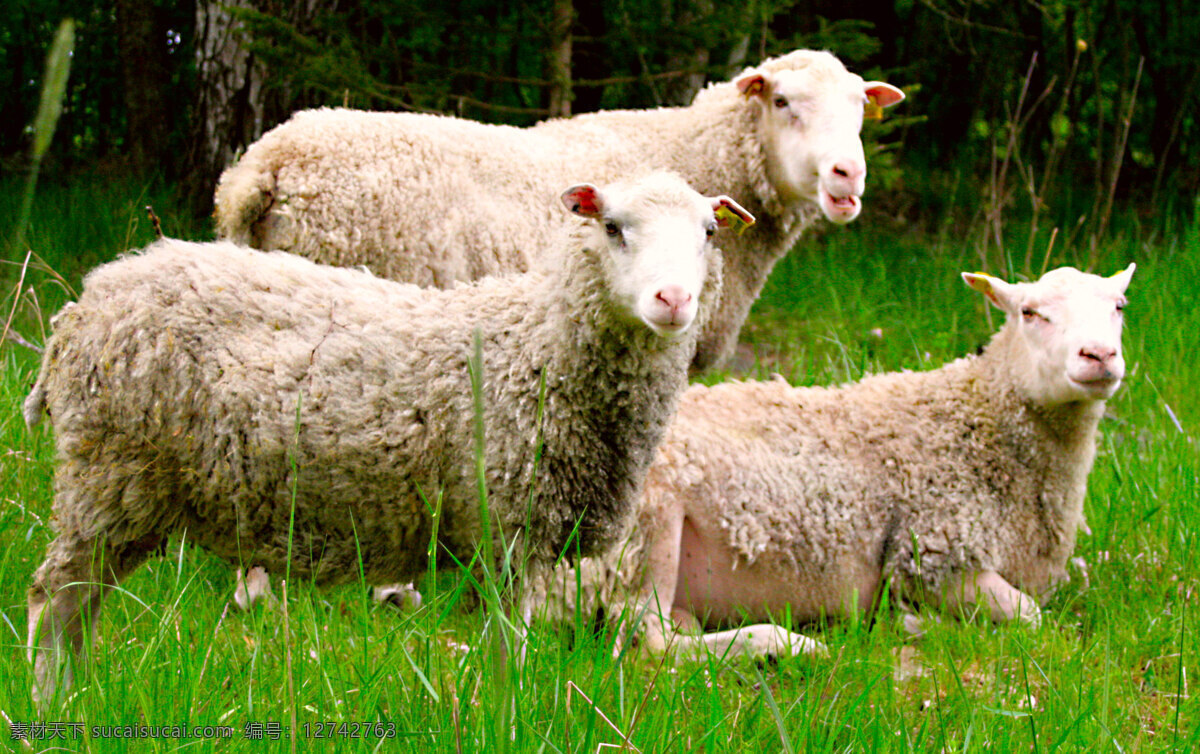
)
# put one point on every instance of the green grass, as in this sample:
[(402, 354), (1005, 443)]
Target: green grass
[(1114, 667)]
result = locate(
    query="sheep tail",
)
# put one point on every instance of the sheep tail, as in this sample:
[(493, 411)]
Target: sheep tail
[(35, 404), (244, 194)]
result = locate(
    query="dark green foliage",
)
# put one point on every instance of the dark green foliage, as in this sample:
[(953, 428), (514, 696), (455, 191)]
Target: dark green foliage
[(964, 65), (484, 60), (93, 121), (972, 59)]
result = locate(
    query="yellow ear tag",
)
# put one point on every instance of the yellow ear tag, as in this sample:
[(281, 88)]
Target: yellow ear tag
[(732, 219), (872, 110), (754, 88), (983, 285)]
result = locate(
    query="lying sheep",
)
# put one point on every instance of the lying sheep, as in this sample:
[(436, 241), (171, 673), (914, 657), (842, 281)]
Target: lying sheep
[(963, 485), (431, 200), (224, 390)]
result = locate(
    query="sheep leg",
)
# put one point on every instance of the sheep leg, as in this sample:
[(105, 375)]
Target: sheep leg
[(403, 596), (686, 621), (762, 640), (1003, 600), (254, 584), (759, 641), (655, 601), (66, 593), (520, 616), (518, 607), (251, 586), (682, 631)]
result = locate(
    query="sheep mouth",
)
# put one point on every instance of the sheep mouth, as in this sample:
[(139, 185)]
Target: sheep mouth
[(840, 209), (1102, 385), (669, 328)]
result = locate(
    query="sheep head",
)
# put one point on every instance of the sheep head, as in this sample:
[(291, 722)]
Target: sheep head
[(657, 235), (811, 115), (1065, 332)]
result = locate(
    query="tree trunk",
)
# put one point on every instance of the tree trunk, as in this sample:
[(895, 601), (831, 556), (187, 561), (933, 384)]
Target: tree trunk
[(229, 94), (559, 62), (681, 90), (590, 59), (142, 42)]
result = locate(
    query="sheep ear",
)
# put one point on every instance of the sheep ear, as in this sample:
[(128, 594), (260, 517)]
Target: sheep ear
[(585, 200), (882, 94), (752, 83), (1122, 278), (730, 214), (996, 290)]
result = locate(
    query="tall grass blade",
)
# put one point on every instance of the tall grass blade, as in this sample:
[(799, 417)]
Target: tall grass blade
[(785, 741), (496, 625), (54, 87), (54, 91)]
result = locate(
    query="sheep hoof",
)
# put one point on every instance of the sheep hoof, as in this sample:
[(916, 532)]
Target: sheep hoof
[(777, 643), (1081, 565), (913, 625), (1031, 618), (252, 586), (404, 597)]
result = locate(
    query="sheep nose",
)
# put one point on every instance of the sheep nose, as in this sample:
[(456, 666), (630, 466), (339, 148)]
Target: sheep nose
[(674, 297), (1097, 352), (849, 170)]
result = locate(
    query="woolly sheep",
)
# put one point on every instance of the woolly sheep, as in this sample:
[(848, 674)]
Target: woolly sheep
[(431, 200), (190, 379), (964, 484)]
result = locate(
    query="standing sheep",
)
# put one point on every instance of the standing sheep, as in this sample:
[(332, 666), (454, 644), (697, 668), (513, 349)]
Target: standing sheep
[(212, 387), (964, 485), (432, 200)]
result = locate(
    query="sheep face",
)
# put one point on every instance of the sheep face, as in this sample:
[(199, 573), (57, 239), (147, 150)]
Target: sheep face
[(1067, 332), (656, 235), (809, 120)]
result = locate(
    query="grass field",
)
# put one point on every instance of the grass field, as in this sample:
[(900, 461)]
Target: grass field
[(1113, 668)]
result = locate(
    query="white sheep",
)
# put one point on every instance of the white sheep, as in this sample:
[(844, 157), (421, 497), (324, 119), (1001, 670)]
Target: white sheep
[(431, 200), (963, 485), (218, 389)]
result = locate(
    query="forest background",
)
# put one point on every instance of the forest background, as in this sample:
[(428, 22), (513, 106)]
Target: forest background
[(1061, 110)]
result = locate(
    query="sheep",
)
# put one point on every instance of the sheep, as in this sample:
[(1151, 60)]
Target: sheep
[(217, 388), (432, 200), (963, 485)]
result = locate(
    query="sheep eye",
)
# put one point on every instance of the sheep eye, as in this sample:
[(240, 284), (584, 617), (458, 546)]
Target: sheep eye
[(1028, 312), (611, 229), (781, 102), (710, 230), (1121, 306)]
